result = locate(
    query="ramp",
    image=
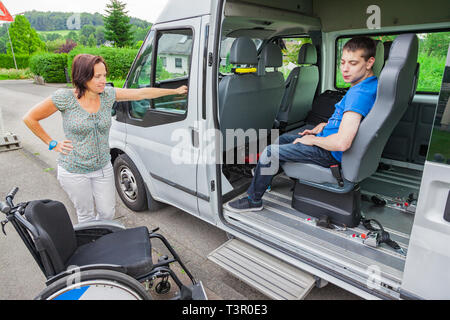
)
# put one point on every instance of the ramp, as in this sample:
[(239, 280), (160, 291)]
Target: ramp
[(269, 275)]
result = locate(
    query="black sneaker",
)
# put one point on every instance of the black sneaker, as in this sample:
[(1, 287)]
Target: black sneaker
[(244, 205)]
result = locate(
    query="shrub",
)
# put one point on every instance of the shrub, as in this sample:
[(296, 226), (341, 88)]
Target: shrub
[(7, 61), (67, 46), (50, 66), (119, 60)]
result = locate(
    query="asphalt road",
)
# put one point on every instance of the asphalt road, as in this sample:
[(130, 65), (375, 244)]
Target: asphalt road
[(33, 170)]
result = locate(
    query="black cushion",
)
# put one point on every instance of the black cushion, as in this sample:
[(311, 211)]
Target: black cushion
[(56, 234), (129, 248)]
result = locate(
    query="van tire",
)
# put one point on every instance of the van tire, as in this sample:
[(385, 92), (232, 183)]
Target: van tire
[(135, 197)]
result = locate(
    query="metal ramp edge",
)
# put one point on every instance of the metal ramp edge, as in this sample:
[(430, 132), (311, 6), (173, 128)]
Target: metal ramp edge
[(267, 274)]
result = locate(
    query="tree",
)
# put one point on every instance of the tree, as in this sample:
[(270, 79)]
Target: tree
[(25, 39), (87, 30), (72, 35), (117, 24), (100, 35), (436, 44), (91, 41)]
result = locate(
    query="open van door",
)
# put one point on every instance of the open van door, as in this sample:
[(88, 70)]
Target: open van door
[(426, 273), (162, 133)]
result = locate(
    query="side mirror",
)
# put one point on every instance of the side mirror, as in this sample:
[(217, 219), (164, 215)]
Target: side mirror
[(110, 84)]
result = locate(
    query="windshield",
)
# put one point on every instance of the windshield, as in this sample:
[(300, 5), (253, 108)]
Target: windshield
[(225, 47)]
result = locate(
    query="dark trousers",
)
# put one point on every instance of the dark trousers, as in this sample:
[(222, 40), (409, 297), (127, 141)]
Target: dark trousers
[(285, 151)]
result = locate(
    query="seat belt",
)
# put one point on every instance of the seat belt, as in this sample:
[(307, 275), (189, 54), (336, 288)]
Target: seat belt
[(336, 172), (377, 236)]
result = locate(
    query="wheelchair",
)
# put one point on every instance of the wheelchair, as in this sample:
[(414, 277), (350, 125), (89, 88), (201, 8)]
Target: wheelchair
[(99, 260)]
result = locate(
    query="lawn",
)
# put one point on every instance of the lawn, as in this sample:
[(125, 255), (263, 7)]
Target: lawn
[(13, 74)]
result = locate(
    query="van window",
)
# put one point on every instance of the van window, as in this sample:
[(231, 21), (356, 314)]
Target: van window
[(432, 53), (140, 76), (439, 150), (290, 53), (172, 67), (174, 52)]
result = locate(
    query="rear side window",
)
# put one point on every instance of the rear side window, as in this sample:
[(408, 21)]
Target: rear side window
[(290, 53), (439, 150), (432, 54)]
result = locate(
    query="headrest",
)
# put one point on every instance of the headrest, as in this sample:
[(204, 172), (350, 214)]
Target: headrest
[(271, 56), (379, 58), (403, 45), (307, 54), (243, 51)]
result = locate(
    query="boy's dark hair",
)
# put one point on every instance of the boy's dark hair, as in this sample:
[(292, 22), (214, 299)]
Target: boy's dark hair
[(368, 45), (83, 71)]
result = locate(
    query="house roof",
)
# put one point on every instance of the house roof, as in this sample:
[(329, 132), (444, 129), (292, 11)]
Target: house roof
[(175, 44)]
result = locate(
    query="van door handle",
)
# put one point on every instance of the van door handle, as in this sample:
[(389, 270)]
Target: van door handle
[(194, 137), (447, 208)]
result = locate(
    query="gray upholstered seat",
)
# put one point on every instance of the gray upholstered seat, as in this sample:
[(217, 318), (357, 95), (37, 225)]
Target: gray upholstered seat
[(396, 88), (301, 86), (251, 100)]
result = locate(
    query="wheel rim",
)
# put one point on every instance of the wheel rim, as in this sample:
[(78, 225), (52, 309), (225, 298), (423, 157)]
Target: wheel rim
[(127, 183)]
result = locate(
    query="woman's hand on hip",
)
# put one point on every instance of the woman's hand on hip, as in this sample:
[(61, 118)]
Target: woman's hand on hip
[(64, 147)]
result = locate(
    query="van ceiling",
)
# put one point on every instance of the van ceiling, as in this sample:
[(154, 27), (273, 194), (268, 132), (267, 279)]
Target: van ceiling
[(255, 20), (337, 15)]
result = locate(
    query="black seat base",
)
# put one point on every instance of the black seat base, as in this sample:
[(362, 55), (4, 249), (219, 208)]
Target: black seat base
[(130, 248), (343, 209)]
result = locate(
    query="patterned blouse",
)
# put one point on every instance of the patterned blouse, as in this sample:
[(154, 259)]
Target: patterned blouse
[(89, 132)]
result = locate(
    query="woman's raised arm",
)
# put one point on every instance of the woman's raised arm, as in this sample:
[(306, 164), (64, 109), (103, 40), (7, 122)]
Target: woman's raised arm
[(147, 93)]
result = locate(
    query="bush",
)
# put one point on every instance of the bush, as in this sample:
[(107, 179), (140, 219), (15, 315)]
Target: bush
[(119, 60), (7, 61), (50, 66)]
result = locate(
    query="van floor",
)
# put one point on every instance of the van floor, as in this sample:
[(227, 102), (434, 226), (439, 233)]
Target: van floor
[(281, 223)]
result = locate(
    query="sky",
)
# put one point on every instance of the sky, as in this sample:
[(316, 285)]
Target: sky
[(147, 10)]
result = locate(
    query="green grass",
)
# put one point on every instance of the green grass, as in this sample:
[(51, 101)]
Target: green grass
[(63, 33), (13, 74)]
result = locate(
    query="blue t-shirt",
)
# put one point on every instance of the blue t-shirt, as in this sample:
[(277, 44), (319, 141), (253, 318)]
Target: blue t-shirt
[(359, 98)]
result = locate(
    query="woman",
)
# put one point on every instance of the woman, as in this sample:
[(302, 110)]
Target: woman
[(84, 164)]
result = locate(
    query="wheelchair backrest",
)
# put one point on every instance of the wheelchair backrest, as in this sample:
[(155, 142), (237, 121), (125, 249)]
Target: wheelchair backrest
[(56, 241)]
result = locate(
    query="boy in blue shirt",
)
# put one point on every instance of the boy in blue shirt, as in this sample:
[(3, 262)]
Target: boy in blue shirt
[(324, 144)]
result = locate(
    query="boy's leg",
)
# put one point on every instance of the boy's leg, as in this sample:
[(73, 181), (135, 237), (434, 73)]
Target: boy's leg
[(268, 165)]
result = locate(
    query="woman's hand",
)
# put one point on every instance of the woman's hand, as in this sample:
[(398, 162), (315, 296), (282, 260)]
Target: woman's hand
[(64, 147), (182, 90)]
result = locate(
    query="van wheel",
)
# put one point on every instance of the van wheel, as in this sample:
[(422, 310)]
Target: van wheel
[(130, 185)]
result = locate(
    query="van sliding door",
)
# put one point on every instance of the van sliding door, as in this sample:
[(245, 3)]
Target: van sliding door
[(426, 273)]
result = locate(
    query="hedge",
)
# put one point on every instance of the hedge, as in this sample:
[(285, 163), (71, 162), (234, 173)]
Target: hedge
[(50, 66), (119, 60), (7, 61)]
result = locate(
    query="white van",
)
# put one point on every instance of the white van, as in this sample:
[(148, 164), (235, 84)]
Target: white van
[(189, 151)]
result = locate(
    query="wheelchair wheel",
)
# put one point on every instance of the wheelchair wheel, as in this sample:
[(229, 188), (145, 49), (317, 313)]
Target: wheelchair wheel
[(95, 285)]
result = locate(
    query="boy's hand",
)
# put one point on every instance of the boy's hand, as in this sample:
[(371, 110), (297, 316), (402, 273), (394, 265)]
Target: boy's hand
[(318, 129)]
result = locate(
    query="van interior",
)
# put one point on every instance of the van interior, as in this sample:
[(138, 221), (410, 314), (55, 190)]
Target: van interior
[(280, 70)]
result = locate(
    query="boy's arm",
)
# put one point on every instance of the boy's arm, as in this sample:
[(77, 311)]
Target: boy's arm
[(340, 141)]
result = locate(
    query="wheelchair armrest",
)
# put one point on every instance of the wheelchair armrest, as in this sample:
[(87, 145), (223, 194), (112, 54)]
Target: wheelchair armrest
[(72, 272)]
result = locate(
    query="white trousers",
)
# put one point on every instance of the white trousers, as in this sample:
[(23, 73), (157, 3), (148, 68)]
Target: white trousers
[(85, 190)]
